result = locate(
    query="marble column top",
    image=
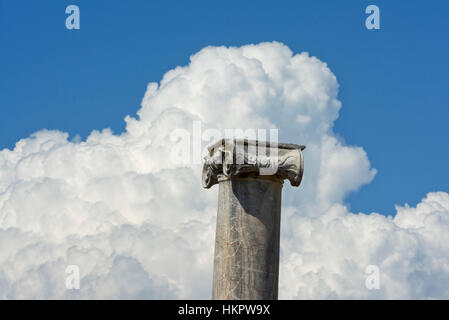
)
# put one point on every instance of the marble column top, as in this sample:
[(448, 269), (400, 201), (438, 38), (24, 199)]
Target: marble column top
[(230, 158)]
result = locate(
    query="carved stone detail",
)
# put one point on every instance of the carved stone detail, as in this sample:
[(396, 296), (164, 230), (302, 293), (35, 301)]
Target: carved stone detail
[(230, 158)]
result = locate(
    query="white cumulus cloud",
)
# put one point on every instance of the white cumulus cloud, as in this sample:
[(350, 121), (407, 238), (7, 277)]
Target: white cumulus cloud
[(140, 226)]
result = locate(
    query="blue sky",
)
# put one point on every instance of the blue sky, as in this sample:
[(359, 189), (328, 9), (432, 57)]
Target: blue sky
[(393, 82)]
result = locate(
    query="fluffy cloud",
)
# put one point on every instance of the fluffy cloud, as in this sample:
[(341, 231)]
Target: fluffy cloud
[(327, 257), (140, 226)]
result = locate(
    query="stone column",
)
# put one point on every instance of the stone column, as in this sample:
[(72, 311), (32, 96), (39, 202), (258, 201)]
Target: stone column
[(250, 175)]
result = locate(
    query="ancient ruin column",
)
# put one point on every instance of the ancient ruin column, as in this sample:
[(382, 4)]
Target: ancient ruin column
[(250, 176)]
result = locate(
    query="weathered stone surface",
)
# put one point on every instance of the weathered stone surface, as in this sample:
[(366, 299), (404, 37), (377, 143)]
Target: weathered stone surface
[(246, 262), (246, 259), (229, 158)]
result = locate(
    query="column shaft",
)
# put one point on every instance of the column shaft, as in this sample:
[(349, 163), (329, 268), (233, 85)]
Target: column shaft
[(246, 260)]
